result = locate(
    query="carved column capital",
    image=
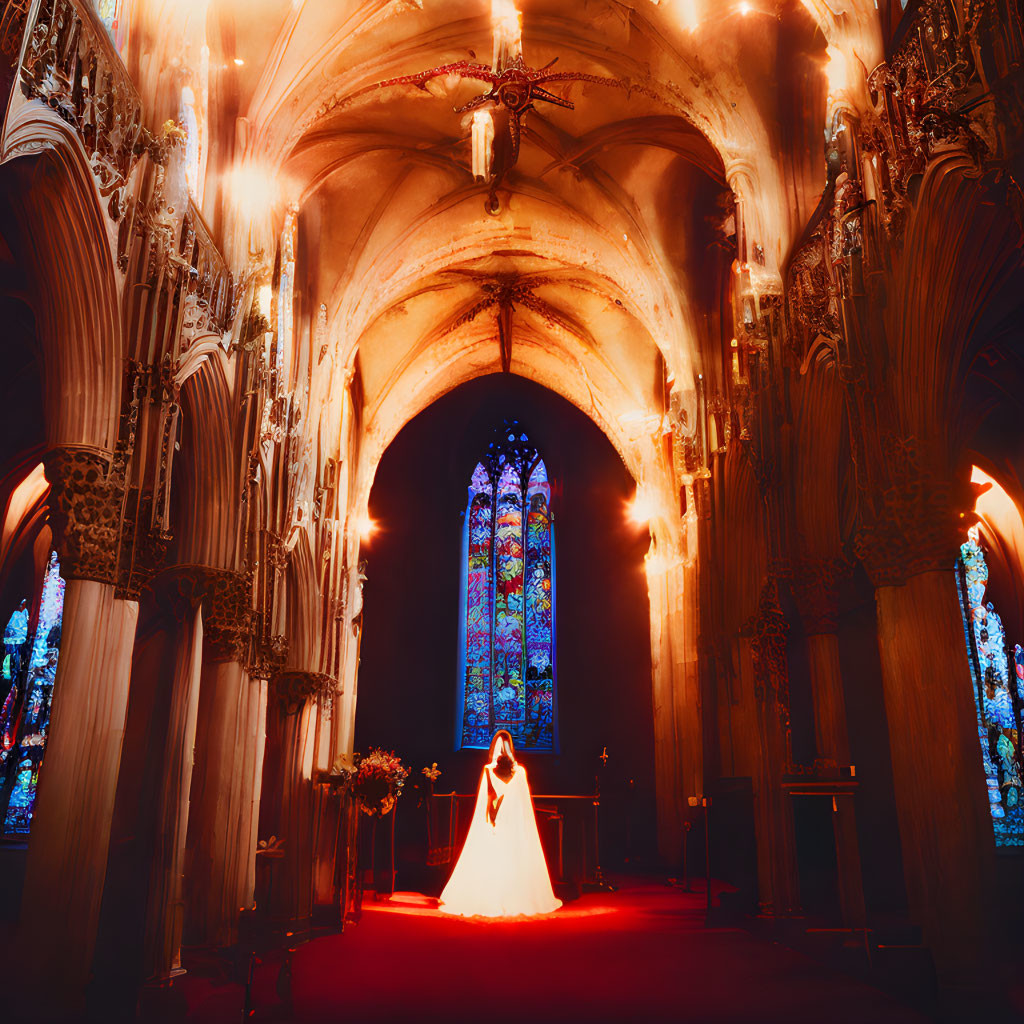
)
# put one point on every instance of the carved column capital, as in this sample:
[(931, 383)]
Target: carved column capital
[(86, 504), (293, 689), (918, 524), (768, 631), (814, 583), (268, 656), (144, 545), (227, 606)]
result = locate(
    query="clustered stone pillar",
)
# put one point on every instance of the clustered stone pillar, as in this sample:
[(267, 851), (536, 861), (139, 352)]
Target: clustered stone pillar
[(815, 587), (74, 809), (230, 735), (166, 906), (938, 778), (296, 695)]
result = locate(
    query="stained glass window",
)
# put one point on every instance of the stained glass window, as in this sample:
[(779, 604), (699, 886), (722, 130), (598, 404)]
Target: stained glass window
[(190, 122), (29, 667), (285, 301), (998, 694), (111, 15), (507, 673)]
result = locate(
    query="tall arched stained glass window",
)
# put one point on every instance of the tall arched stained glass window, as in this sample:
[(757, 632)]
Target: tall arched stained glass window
[(29, 667), (998, 694), (507, 666)]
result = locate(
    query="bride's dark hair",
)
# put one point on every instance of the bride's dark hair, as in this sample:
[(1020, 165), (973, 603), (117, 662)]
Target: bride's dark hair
[(501, 734), (504, 765)]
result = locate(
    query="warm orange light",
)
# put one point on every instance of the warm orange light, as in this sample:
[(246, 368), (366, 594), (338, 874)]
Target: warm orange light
[(745, 8), (24, 496), (685, 10), (998, 509), (367, 527), (508, 32), (837, 71), (1000, 517), (253, 188), (642, 508)]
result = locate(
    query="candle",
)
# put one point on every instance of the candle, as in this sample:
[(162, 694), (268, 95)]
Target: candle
[(483, 144), (507, 23)]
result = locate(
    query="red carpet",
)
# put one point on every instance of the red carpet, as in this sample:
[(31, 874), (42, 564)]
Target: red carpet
[(640, 954)]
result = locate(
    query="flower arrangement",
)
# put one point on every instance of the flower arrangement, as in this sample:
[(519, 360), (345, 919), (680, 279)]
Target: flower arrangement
[(378, 781), (432, 773), (340, 776)]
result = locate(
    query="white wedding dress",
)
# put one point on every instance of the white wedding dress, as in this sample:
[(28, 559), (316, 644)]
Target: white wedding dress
[(501, 871)]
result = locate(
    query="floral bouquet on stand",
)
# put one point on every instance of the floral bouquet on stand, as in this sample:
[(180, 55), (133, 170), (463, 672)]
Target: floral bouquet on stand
[(378, 781)]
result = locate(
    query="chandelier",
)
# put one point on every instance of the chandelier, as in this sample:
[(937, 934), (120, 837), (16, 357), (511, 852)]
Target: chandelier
[(515, 87)]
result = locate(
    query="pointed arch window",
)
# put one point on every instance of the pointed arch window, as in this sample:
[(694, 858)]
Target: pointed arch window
[(507, 641), (998, 683)]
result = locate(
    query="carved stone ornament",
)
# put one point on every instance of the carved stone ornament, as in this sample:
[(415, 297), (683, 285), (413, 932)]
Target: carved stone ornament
[(144, 548), (293, 689), (72, 69), (768, 630), (268, 656), (86, 504), (814, 583), (919, 523), (927, 95), (227, 606)]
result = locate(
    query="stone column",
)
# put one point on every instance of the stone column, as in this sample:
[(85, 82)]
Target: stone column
[(230, 733), (345, 710), (166, 906), (67, 855), (678, 742), (946, 837), (296, 696), (777, 866), (815, 586)]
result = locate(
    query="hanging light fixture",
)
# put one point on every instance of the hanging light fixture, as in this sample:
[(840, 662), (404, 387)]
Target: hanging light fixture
[(514, 88)]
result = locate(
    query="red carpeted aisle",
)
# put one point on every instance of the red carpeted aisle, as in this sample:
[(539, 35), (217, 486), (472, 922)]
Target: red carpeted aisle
[(640, 954)]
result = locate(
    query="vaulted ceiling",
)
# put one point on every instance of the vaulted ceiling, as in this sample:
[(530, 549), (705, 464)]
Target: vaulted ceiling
[(615, 231)]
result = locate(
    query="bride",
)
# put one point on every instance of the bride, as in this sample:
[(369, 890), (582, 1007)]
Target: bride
[(501, 870)]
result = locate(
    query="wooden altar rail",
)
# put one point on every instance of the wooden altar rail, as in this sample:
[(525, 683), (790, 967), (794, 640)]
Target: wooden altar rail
[(336, 877)]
